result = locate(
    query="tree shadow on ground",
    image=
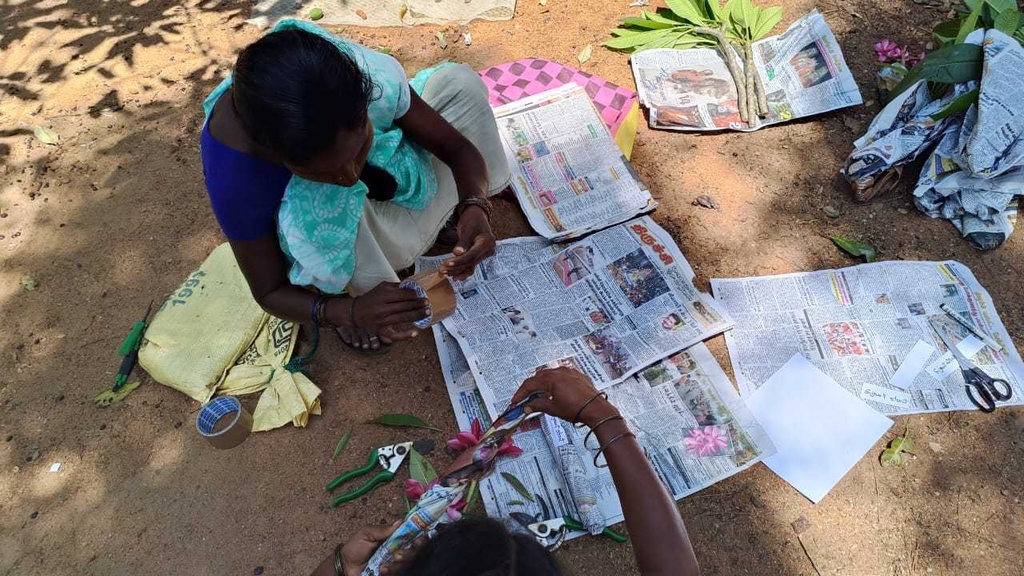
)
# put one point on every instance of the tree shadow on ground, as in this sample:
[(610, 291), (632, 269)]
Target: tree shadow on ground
[(140, 493)]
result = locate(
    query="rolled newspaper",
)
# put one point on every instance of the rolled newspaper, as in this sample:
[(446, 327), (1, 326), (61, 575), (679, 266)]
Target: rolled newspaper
[(559, 435)]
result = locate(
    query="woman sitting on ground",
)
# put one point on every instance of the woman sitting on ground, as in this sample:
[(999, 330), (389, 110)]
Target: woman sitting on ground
[(326, 169), (485, 547)]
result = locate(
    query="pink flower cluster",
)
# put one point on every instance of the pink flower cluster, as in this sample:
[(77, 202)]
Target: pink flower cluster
[(890, 52), (414, 489), (467, 440), (706, 441)]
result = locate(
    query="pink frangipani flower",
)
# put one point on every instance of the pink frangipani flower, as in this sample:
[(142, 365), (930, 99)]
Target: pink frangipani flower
[(706, 441), (468, 440), (887, 50)]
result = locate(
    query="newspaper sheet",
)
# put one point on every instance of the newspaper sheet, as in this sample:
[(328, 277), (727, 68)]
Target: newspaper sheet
[(568, 173), (861, 324), (803, 72), (607, 305), (668, 406)]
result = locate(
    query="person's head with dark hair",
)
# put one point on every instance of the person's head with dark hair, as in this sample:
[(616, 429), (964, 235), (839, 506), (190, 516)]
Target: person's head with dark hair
[(481, 547), (305, 102)]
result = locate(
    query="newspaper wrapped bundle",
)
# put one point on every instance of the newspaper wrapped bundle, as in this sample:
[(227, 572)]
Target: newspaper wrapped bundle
[(431, 509), (559, 434), (976, 172)]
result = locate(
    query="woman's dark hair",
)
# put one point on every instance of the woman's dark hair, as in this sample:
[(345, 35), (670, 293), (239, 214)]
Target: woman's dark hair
[(481, 547), (295, 90)]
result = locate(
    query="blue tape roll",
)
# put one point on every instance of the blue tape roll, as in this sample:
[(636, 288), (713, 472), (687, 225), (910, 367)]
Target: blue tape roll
[(213, 411)]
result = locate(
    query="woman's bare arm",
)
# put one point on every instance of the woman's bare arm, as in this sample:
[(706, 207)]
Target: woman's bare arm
[(656, 530), (266, 270), (430, 130)]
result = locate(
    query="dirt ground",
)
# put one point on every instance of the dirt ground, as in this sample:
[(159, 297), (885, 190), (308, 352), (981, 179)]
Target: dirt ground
[(117, 215)]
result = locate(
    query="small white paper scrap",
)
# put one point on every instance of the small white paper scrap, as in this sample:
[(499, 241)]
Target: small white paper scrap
[(55, 467), (912, 365), (819, 429), (970, 346), (886, 396), (942, 367)]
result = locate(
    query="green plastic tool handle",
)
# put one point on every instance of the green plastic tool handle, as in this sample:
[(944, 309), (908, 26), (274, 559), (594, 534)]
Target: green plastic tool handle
[(574, 524), (133, 339), (371, 462), (384, 476)]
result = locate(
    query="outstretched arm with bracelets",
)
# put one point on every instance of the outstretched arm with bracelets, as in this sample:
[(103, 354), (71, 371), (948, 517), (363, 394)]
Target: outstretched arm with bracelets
[(656, 530)]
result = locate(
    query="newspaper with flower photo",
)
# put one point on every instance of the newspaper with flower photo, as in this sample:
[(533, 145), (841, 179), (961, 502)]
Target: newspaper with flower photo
[(686, 414), (862, 324)]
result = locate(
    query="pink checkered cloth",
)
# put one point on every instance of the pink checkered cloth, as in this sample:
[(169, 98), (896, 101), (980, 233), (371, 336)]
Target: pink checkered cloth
[(515, 80)]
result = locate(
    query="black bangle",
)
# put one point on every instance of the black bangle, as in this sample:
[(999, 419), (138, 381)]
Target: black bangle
[(576, 418), (598, 425), (321, 313), (609, 443), (314, 310), (339, 565)]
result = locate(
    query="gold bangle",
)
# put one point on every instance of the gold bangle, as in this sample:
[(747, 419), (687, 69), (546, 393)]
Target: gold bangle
[(598, 425), (576, 418), (609, 443)]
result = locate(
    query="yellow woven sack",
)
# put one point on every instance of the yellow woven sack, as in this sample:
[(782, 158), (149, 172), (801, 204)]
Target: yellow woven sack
[(211, 336)]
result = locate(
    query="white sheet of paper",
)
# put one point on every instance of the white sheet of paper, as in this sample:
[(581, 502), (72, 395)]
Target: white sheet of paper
[(912, 365), (943, 366), (886, 396), (819, 429), (970, 346)]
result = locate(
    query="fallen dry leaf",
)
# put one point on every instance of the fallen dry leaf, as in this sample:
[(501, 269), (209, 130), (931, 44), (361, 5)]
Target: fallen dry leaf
[(46, 136), (586, 53)]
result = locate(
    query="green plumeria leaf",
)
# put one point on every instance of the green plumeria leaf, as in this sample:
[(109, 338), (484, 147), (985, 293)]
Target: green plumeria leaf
[(855, 248), (420, 469), (959, 104), (407, 420), (687, 10), (648, 24), (517, 486), (1007, 21), (341, 444)]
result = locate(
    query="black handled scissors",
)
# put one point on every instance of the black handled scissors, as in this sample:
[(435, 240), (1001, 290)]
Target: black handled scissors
[(981, 388)]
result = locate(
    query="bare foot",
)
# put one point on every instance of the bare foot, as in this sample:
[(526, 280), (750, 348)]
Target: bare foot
[(358, 338)]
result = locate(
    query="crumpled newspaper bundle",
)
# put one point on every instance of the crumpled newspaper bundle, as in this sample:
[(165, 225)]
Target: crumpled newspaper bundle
[(974, 169)]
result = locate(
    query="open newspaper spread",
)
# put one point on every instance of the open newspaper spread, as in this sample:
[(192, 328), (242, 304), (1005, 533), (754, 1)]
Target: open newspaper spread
[(803, 72), (568, 174), (861, 324), (672, 407), (607, 305)]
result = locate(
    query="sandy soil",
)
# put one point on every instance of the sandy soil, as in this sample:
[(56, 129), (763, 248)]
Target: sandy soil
[(117, 215)]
